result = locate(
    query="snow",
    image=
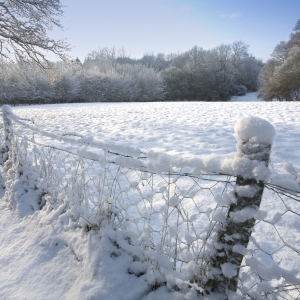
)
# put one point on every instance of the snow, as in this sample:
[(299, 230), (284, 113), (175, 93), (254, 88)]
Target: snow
[(174, 128), (43, 256), (254, 129), (249, 97), (246, 214), (49, 260), (246, 190), (229, 270)]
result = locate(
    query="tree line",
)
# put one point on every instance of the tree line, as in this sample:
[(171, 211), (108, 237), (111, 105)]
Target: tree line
[(108, 75)]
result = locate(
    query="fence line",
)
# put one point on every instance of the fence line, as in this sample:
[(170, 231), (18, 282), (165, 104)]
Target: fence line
[(187, 229)]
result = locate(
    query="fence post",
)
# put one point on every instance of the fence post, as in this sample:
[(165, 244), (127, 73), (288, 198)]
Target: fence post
[(7, 127), (254, 140)]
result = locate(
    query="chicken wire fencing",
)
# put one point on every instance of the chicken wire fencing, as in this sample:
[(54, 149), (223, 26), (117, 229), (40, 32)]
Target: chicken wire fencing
[(174, 223)]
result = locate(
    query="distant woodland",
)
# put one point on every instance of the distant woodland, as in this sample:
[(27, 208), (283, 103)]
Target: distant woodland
[(110, 75)]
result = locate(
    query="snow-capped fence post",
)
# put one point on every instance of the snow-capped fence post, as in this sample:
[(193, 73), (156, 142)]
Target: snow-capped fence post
[(254, 140), (7, 127)]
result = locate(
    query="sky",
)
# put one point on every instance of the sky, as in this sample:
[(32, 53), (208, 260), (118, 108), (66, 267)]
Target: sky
[(175, 26)]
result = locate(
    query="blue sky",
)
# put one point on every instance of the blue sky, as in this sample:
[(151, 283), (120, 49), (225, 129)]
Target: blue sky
[(172, 26)]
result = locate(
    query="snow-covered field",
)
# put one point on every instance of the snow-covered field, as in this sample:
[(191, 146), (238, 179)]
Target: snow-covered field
[(36, 256), (183, 128)]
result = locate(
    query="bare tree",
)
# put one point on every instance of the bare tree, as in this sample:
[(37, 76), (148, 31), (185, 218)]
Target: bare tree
[(23, 30)]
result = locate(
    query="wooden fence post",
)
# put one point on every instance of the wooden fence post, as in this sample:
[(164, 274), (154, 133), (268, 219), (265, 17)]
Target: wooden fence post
[(7, 127), (254, 137)]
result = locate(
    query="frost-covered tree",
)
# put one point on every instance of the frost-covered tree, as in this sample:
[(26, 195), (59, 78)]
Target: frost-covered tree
[(280, 52), (157, 62), (222, 67), (23, 30), (67, 88), (286, 78), (280, 77), (247, 74), (189, 77), (266, 81), (20, 83), (215, 74), (109, 78), (111, 75), (289, 76)]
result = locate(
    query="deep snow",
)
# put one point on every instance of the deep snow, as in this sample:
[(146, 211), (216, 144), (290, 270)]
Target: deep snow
[(36, 254)]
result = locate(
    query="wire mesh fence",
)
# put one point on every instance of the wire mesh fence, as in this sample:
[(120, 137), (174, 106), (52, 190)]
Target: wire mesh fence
[(171, 221)]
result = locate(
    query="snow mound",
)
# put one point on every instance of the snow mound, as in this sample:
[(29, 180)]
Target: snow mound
[(255, 130)]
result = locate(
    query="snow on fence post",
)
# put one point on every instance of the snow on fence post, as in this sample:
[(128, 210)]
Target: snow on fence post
[(7, 127), (254, 140)]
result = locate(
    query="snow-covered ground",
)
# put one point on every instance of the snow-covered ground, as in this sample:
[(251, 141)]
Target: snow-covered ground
[(183, 128), (36, 256), (250, 97)]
